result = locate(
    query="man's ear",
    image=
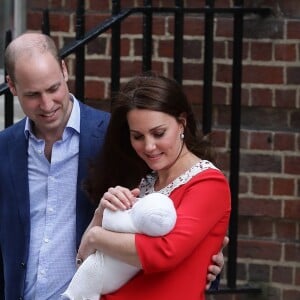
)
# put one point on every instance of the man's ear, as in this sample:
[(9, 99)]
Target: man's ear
[(65, 70), (11, 85)]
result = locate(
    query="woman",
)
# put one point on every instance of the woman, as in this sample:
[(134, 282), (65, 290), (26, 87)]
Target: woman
[(153, 144)]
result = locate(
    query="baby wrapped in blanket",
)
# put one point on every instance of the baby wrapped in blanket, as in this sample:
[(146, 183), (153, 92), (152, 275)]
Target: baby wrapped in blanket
[(99, 274)]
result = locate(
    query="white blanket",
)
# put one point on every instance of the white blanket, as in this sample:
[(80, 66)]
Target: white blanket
[(100, 274)]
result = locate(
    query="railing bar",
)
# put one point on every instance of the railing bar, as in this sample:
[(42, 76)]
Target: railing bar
[(235, 143), (115, 49), (8, 97), (79, 54), (208, 69), (90, 35), (147, 37), (46, 22), (178, 42)]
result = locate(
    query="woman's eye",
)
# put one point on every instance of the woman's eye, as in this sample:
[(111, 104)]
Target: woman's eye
[(136, 137), (159, 134)]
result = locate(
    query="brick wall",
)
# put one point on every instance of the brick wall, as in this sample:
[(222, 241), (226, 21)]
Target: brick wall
[(269, 207)]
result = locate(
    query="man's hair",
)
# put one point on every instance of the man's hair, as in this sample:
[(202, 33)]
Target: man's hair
[(28, 44)]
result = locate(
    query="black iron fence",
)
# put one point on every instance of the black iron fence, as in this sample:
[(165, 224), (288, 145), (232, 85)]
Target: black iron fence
[(179, 11)]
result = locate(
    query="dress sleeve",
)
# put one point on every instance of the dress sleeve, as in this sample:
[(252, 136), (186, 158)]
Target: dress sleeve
[(203, 208)]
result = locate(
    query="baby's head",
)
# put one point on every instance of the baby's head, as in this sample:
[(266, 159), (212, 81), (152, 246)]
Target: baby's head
[(154, 214)]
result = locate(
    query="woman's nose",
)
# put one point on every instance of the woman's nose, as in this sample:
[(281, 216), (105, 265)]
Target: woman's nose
[(149, 145)]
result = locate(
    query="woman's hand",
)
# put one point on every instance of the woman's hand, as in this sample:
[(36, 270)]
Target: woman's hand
[(118, 198), (215, 269), (87, 245)]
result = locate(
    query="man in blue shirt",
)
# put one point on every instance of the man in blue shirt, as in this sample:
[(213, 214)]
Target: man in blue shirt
[(44, 158)]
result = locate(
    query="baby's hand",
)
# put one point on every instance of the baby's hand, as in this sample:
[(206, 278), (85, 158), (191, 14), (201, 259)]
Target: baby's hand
[(119, 198)]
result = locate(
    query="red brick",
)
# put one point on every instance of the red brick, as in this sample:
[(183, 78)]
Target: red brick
[(261, 51), (285, 52), (192, 49), (98, 46), (292, 165), (292, 252), (285, 230), (165, 48), (262, 227), (261, 74), (192, 71), (100, 6), (265, 250), (293, 29), (261, 186), (292, 209), (219, 138), (260, 163), (97, 68), (94, 20), (292, 75), (224, 27), (297, 276), (243, 184), (284, 187), (285, 98), (130, 68), (261, 140), (244, 228), (282, 274), (259, 272), (34, 20), (223, 72), (220, 49), (291, 294), (220, 95), (260, 207), (262, 97), (284, 141), (194, 26), (61, 21), (94, 90), (194, 93)]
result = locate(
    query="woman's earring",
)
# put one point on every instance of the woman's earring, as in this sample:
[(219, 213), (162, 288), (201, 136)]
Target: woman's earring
[(182, 135)]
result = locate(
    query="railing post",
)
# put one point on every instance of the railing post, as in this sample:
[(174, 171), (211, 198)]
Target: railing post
[(115, 49), (208, 68), (45, 22), (147, 37), (8, 97), (235, 141), (80, 55), (178, 42)]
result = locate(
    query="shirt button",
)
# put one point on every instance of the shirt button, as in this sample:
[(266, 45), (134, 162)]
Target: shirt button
[(46, 240), (23, 265)]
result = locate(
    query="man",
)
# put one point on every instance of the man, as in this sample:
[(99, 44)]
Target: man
[(44, 158)]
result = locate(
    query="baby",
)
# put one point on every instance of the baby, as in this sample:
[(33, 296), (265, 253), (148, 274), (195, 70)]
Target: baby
[(99, 274)]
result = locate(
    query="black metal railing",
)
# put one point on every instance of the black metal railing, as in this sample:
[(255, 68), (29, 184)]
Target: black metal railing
[(209, 11)]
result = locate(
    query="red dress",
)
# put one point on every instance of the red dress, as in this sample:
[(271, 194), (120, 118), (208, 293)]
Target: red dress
[(175, 266)]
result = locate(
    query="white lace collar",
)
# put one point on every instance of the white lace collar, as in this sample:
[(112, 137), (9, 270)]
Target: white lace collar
[(147, 184)]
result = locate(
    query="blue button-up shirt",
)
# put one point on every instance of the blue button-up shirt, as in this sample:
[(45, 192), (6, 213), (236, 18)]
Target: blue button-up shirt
[(52, 188)]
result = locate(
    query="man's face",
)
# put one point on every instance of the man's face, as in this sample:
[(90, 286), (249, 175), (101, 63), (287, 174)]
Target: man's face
[(41, 86)]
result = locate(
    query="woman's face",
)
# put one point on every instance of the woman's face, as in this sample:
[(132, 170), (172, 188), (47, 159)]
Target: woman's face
[(155, 136)]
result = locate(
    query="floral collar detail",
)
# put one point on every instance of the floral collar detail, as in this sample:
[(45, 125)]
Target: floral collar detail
[(147, 183)]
